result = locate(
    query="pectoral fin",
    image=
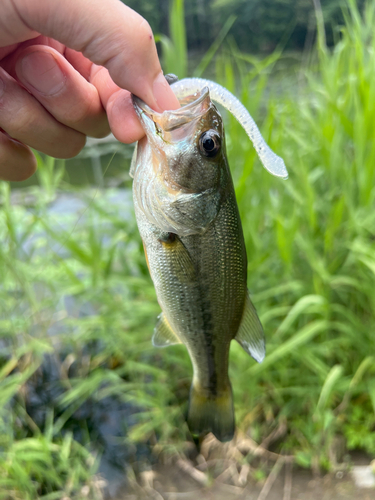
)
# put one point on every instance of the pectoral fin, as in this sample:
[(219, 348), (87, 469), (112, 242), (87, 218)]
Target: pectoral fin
[(163, 334), (250, 334), (182, 266)]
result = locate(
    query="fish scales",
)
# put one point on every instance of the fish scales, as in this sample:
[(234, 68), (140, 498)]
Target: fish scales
[(190, 226), (206, 312)]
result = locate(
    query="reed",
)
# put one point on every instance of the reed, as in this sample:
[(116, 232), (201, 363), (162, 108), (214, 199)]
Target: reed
[(311, 273)]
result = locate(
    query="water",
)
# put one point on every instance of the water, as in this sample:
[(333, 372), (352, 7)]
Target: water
[(103, 162), (104, 422)]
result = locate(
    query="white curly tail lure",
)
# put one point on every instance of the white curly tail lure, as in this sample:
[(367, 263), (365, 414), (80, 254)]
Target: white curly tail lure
[(271, 162)]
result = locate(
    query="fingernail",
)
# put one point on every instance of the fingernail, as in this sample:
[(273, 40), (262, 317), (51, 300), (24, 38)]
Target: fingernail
[(164, 96), (41, 71)]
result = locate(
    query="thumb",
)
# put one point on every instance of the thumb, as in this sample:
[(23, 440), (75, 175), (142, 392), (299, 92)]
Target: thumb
[(108, 33)]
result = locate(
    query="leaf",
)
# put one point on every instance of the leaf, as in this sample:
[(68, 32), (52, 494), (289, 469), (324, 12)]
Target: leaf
[(207, 58), (301, 337), (329, 383)]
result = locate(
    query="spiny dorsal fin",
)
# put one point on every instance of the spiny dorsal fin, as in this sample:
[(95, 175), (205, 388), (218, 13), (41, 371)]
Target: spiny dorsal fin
[(250, 334), (163, 334)]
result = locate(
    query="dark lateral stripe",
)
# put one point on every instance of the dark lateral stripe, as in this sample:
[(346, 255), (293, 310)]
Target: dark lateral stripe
[(207, 318)]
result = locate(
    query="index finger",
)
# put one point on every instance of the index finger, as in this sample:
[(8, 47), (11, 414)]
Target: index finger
[(108, 33)]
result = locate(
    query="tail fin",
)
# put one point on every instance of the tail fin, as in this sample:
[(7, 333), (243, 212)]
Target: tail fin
[(211, 413)]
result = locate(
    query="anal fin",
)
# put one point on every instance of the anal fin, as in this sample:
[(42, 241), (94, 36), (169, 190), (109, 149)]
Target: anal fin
[(250, 334), (163, 334)]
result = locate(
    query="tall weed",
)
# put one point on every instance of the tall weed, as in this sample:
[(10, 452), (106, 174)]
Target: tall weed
[(316, 229), (311, 273)]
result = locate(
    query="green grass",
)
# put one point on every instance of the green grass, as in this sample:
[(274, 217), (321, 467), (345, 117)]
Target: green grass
[(311, 247), (311, 250)]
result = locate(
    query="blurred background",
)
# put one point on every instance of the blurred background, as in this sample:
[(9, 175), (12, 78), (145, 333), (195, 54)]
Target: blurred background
[(88, 408)]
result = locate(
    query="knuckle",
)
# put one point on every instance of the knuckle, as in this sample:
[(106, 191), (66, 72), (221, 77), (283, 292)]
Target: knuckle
[(101, 128), (76, 115), (100, 134), (20, 121), (17, 162), (145, 31), (72, 145), (89, 118), (26, 172)]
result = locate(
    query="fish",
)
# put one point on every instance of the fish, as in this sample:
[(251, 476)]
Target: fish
[(189, 222)]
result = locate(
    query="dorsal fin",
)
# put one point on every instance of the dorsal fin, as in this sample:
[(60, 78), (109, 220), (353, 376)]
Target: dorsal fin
[(250, 334), (163, 334)]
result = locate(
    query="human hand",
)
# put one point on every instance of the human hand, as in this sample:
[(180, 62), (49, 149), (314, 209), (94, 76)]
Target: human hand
[(64, 68)]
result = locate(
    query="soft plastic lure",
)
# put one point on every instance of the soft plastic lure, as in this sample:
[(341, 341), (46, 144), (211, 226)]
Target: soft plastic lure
[(271, 162)]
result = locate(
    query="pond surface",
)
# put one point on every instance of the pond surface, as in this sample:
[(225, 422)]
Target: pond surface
[(103, 162)]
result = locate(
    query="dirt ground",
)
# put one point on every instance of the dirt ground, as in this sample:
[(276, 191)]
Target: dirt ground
[(171, 485), (303, 487), (185, 480)]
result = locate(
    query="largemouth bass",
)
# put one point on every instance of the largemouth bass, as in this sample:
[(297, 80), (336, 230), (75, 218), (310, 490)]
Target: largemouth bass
[(189, 222)]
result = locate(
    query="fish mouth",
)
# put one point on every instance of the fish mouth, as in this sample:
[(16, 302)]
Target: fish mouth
[(192, 109)]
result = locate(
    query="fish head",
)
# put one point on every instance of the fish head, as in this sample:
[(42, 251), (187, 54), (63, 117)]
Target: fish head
[(187, 145)]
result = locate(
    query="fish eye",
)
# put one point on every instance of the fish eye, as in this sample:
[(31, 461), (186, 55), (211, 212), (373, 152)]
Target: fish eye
[(209, 143)]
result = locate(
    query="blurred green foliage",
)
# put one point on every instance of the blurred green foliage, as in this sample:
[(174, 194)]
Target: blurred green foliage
[(260, 24), (311, 250)]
